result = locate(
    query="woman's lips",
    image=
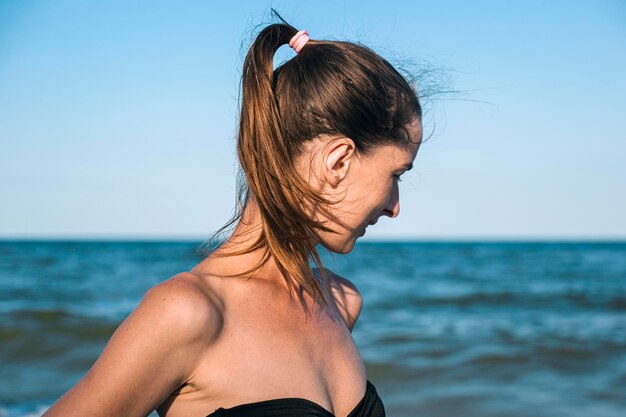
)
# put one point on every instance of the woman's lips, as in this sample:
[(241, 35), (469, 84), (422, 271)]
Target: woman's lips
[(365, 227)]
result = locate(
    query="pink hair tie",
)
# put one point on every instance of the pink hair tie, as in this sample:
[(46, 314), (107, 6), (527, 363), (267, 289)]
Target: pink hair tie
[(299, 40)]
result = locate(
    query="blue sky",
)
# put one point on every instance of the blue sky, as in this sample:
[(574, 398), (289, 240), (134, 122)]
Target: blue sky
[(118, 119)]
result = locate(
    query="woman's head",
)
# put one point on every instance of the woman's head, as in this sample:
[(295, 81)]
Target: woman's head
[(320, 138), (362, 186)]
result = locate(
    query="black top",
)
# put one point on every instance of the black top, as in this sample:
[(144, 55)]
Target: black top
[(370, 406)]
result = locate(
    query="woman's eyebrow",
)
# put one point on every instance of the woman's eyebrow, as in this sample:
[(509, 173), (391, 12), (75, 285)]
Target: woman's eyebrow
[(408, 166)]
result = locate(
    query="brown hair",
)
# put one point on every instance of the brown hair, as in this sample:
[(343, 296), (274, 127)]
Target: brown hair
[(330, 88)]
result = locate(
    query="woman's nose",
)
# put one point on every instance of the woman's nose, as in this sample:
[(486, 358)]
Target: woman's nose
[(393, 206)]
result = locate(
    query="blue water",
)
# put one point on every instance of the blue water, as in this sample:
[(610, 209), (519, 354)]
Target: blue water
[(448, 329)]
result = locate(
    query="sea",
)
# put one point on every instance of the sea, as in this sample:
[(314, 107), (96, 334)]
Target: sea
[(448, 329)]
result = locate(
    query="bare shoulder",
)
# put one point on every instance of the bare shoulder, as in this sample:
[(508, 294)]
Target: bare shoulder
[(347, 297), (186, 295), (154, 352), (183, 300)]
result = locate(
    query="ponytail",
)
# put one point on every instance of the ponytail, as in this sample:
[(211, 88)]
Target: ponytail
[(271, 176), (330, 88)]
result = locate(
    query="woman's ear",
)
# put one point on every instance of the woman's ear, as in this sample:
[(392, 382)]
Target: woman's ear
[(337, 157)]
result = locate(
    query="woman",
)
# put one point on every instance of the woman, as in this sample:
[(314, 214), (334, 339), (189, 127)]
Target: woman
[(253, 329)]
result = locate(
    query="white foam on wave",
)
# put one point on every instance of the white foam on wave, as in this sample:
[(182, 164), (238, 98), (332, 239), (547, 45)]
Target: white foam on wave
[(19, 411)]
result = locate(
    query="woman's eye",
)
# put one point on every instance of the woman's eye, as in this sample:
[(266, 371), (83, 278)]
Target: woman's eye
[(397, 177)]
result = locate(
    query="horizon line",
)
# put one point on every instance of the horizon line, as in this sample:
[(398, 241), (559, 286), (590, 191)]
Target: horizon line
[(381, 239)]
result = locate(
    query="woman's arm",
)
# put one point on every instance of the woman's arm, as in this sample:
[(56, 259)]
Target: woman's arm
[(152, 353)]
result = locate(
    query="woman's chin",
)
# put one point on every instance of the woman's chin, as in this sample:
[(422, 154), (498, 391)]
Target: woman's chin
[(341, 247)]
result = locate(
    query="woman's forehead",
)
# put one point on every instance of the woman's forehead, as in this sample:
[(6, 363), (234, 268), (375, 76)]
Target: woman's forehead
[(415, 131), (394, 155)]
